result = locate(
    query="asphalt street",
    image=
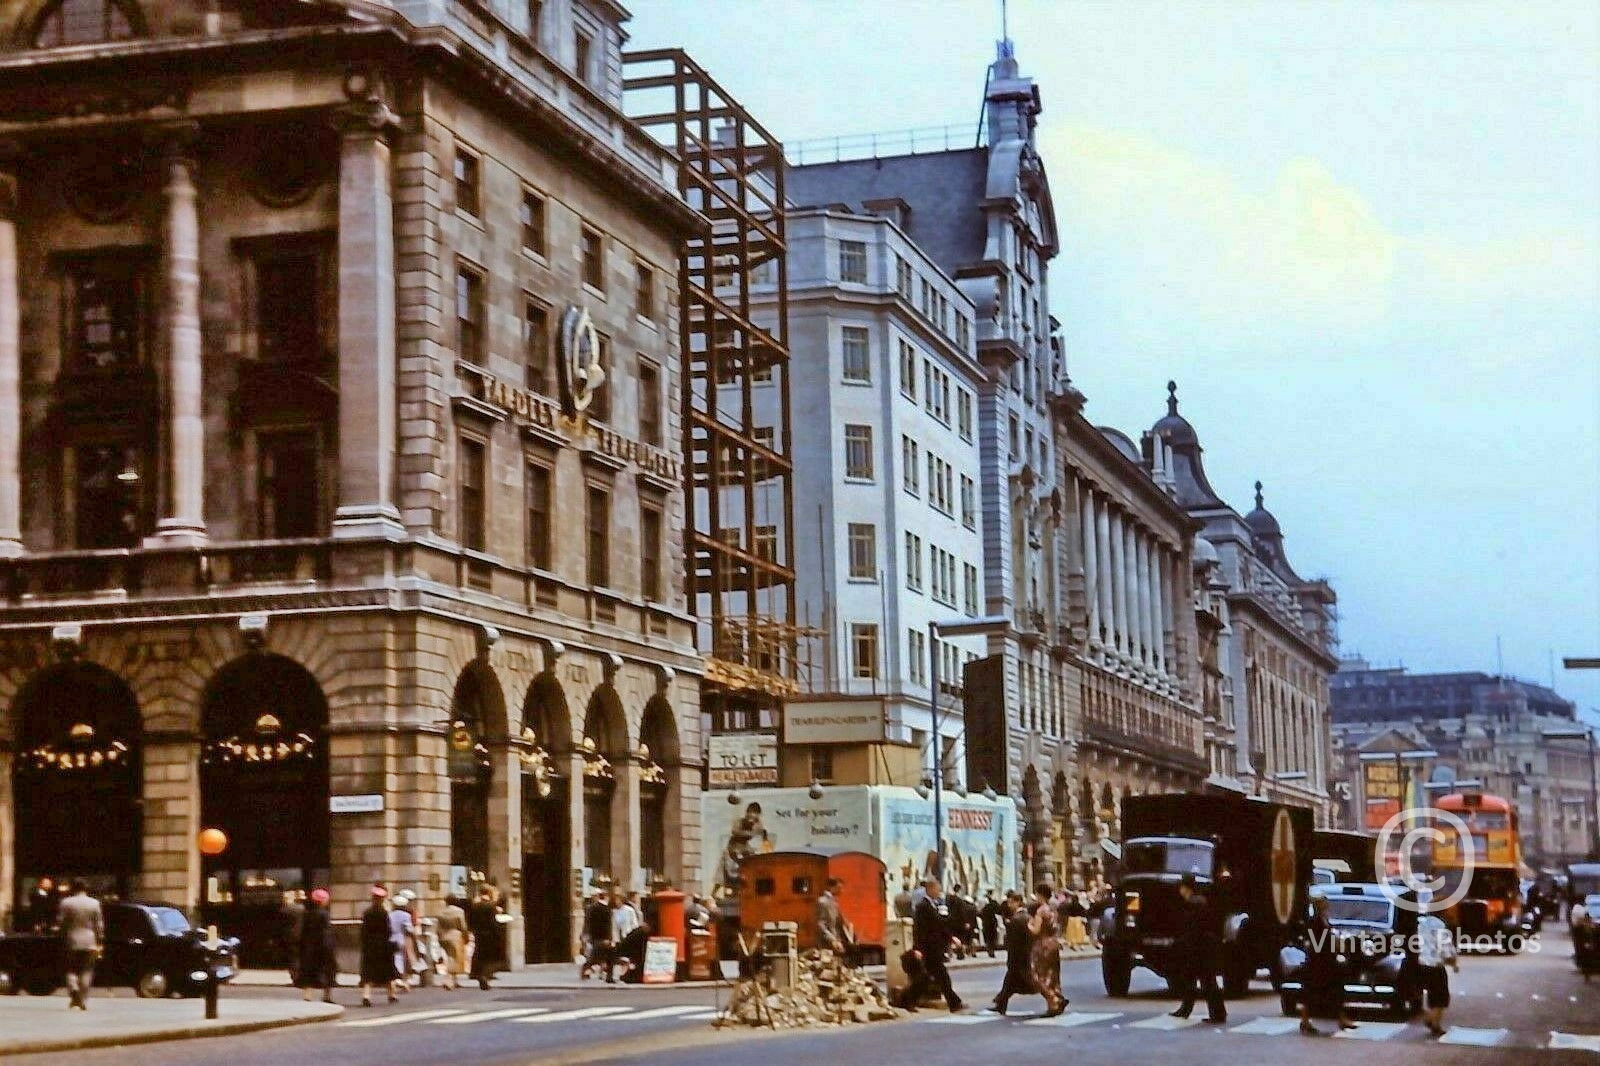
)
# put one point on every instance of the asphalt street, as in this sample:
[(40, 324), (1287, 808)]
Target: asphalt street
[(1532, 1007)]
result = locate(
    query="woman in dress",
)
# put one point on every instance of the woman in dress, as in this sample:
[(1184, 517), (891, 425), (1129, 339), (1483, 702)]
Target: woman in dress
[(400, 933), (453, 939), (315, 957), (1044, 957), (377, 953), (488, 937)]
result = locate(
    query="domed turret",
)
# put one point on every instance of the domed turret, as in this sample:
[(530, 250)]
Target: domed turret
[(1180, 448), (1261, 521), (1174, 428)]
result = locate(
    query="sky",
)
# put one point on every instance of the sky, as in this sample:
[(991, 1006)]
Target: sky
[(1362, 235)]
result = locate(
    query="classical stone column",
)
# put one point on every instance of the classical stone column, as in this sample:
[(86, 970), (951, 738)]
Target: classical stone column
[(1119, 582), (625, 822), (8, 834), (1091, 568), (1159, 605), (10, 376), (1102, 536), (1141, 573), (575, 844), (505, 841), (183, 498), (1130, 582), (368, 381)]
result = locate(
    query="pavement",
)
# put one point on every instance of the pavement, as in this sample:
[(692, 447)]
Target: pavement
[(30, 1024)]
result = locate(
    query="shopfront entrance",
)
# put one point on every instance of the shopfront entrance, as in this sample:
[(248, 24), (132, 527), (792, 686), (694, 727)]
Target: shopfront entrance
[(263, 782), (546, 818), (77, 778)]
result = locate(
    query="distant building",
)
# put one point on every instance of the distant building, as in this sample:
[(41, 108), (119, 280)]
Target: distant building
[(1508, 737)]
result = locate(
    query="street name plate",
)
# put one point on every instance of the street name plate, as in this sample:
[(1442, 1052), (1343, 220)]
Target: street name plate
[(355, 804)]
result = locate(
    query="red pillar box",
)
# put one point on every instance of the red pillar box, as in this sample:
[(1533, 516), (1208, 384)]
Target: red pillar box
[(669, 916)]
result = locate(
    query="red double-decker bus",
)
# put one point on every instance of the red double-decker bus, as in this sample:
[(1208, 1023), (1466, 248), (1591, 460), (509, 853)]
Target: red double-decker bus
[(1488, 855)]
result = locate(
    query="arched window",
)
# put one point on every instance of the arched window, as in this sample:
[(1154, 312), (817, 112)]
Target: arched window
[(88, 22)]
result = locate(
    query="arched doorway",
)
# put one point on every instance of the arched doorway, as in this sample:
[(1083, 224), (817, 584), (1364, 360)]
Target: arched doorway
[(605, 740), (658, 786), (263, 782), (476, 704), (1061, 826), (546, 816), (77, 779)]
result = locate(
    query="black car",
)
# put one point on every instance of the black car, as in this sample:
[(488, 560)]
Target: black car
[(151, 948), (1374, 935)]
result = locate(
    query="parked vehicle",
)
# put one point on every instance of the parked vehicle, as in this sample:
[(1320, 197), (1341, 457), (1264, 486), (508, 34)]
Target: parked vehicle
[(1371, 960), (1251, 858), (1583, 881), (151, 948), (1343, 855)]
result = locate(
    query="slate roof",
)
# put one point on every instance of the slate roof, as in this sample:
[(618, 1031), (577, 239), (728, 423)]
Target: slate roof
[(945, 191)]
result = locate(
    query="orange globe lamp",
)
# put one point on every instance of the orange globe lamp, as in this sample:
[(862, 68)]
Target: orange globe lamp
[(212, 841)]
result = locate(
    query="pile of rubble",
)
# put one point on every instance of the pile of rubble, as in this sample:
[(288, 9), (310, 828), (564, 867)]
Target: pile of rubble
[(825, 992)]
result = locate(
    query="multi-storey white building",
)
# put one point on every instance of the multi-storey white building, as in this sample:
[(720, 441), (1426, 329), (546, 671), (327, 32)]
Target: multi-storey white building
[(888, 537)]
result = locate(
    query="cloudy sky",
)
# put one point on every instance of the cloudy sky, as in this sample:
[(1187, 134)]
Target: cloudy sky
[(1363, 235)]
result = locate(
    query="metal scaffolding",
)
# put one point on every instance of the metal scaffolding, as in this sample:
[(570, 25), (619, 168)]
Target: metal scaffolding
[(738, 491)]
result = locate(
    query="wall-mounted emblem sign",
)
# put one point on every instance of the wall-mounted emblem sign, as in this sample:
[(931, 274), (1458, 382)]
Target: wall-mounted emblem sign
[(579, 371)]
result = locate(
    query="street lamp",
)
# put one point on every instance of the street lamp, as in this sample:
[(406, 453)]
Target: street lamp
[(1587, 736), (955, 627)]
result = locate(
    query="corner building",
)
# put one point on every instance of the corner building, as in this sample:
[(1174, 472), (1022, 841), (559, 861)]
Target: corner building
[(340, 459)]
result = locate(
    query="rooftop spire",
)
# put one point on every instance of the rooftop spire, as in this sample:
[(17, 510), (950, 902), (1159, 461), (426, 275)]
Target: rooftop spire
[(1258, 496), (1172, 397)]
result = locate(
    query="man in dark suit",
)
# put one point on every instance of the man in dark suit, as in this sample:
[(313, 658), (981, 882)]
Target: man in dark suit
[(83, 928), (931, 930), (1198, 955)]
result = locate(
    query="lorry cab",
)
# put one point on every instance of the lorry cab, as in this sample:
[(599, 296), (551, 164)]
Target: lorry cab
[(1149, 911)]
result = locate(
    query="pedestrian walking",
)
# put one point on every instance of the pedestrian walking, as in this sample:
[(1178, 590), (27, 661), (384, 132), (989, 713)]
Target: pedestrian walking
[(83, 932), (991, 918), (1044, 951), (624, 920), (931, 934), (315, 956), (597, 933), (1436, 949), (401, 928), (377, 949), (488, 937), (1018, 980), (1324, 987), (454, 938), (1197, 953), (42, 907)]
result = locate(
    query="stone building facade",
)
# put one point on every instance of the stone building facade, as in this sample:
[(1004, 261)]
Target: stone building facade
[(1267, 637), (340, 459), (1129, 611)]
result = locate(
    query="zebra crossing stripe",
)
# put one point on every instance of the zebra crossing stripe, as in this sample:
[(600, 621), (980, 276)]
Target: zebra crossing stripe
[(1267, 1026), (572, 1015), (487, 1016), (1073, 1019), (1165, 1022), (1371, 1031), (681, 1010), (959, 1019), (396, 1019), (1475, 1037), (1560, 1041)]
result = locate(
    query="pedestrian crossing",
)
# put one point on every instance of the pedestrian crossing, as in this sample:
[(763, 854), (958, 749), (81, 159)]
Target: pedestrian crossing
[(678, 1012), (1274, 1026)]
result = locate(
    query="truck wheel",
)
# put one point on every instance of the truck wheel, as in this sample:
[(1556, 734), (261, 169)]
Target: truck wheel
[(1287, 1003), (39, 986), (1116, 972), (152, 985)]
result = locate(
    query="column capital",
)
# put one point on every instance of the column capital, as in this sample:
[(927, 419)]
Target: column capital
[(175, 140)]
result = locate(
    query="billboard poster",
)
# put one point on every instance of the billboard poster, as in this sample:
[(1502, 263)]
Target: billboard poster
[(779, 819), (979, 838), (1382, 791), (739, 760)]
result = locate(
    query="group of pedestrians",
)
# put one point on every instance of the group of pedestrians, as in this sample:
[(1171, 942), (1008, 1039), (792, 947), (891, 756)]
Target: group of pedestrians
[(1033, 951), (615, 934), (394, 947)]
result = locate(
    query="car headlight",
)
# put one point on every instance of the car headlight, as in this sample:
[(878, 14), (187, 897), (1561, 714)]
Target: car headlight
[(198, 975)]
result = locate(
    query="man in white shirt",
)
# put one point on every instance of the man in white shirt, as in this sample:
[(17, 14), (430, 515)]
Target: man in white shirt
[(1436, 949)]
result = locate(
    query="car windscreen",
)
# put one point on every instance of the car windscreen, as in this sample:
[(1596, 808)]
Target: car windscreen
[(1360, 909), (1167, 857), (169, 921)]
